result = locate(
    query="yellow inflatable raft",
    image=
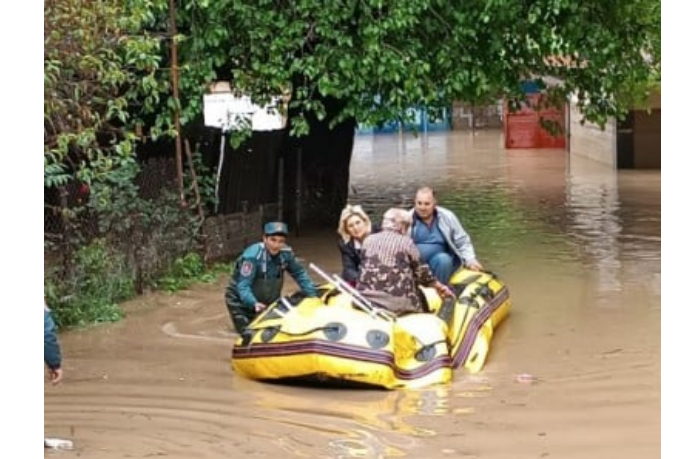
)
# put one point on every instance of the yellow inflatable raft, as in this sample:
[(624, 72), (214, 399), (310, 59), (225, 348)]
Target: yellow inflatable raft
[(340, 338)]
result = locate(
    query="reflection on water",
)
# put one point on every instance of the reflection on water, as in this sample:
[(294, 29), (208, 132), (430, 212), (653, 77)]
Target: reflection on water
[(592, 201), (538, 204), (609, 232), (368, 423), (579, 247)]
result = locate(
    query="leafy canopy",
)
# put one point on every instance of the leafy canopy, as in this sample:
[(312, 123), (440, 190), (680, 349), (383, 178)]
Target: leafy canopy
[(382, 56), (107, 62), (100, 71)]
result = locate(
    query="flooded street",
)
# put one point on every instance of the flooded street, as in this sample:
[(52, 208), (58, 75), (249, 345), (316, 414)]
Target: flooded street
[(579, 247)]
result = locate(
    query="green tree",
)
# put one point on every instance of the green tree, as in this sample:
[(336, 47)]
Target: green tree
[(338, 61), (100, 72), (380, 57), (371, 60), (102, 82)]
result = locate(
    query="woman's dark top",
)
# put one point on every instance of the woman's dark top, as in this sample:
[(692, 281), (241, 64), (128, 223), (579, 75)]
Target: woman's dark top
[(350, 258)]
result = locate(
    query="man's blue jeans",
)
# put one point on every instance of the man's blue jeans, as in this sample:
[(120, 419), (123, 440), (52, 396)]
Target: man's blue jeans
[(443, 265)]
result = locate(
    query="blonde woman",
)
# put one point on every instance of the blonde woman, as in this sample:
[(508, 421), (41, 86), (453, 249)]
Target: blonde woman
[(353, 228)]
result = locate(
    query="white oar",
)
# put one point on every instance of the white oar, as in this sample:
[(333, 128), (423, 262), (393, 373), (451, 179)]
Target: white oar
[(362, 302), (286, 304), (354, 292)]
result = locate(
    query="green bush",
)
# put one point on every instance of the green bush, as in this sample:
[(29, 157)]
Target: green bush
[(120, 243), (89, 290), (184, 272)]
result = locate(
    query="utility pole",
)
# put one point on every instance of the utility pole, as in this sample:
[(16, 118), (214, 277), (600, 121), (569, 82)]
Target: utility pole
[(174, 72)]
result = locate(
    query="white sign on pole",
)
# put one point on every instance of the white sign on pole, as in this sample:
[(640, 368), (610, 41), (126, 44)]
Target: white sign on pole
[(224, 111)]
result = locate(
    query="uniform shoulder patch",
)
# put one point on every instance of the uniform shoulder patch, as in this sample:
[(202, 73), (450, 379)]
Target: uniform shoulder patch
[(246, 268)]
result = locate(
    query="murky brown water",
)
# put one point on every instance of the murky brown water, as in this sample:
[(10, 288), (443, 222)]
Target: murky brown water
[(580, 249)]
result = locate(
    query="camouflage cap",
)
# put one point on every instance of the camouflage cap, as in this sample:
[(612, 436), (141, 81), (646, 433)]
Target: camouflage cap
[(276, 228)]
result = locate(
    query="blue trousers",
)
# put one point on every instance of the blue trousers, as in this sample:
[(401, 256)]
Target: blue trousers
[(443, 265)]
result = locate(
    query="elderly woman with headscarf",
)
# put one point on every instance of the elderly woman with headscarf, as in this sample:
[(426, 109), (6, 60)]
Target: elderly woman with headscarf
[(391, 269)]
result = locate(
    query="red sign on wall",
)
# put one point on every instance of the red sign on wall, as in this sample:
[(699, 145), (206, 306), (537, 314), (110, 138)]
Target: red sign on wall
[(525, 128)]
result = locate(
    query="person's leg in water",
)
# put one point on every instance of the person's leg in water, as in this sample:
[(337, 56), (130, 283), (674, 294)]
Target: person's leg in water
[(241, 318)]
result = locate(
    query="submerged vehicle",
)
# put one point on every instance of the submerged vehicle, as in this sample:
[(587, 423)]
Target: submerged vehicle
[(341, 338)]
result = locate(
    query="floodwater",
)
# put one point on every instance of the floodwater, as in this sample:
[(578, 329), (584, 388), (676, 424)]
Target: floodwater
[(579, 247)]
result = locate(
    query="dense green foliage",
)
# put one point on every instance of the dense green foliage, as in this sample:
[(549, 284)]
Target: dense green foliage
[(382, 56), (116, 245), (106, 65), (105, 76), (106, 62), (100, 72)]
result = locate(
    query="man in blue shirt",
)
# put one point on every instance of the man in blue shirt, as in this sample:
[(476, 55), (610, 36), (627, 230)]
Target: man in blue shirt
[(258, 275), (441, 240)]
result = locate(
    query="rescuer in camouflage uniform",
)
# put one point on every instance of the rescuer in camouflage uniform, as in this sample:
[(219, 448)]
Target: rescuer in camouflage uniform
[(258, 276)]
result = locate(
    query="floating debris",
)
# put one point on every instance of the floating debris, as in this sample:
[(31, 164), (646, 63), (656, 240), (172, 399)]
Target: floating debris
[(525, 378), (57, 443)]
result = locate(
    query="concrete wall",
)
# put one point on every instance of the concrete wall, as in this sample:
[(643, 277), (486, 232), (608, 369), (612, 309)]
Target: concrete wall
[(589, 141), (638, 145), (226, 235)]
